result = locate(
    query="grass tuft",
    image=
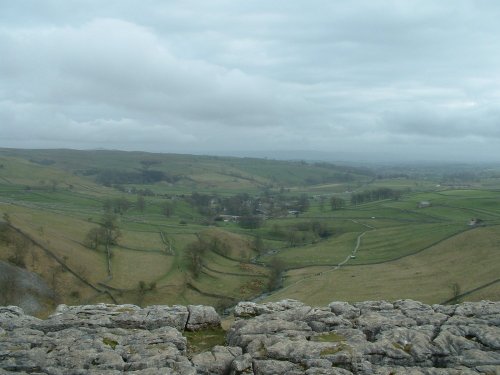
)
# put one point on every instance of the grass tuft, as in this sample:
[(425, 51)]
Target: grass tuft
[(203, 340), (110, 342), (328, 337), (334, 350)]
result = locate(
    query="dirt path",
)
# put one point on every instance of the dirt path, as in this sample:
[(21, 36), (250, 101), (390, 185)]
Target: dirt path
[(358, 244), (352, 255)]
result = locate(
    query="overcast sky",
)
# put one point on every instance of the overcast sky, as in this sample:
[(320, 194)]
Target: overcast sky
[(406, 79)]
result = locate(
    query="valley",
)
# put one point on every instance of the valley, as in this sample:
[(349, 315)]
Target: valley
[(133, 227)]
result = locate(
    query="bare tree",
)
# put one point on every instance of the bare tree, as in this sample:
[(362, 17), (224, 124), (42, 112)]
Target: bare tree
[(105, 235), (167, 208), (336, 203), (141, 203), (277, 266)]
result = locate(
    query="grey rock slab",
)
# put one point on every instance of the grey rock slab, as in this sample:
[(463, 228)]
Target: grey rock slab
[(475, 357), (410, 342), (153, 317), (374, 337), (241, 365), (216, 361), (485, 335), (321, 320), (273, 367), (252, 309), (483, 309), (370, 306), (12, 317), (372, 323), (123, 316), (297, 351), (422, 314), (245, 331), (327, 371), (345, 310), (201, 317)]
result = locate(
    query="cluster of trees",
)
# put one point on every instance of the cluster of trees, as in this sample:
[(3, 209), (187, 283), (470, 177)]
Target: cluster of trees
[(203, 203), (337, 203), (46, 185), (144, 176), (121, 205), (105, 235), (329, 178), (239, 204), (195, 252), (43, 161), (250, 209), (384, 176), (250, 221), (116, 205), (302, 233), (375, 195), (258, 244), (461, 177), (167, 208), (276, 268)]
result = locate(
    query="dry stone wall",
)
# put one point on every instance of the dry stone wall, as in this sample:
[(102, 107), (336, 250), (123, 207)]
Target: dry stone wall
[(287, 337)]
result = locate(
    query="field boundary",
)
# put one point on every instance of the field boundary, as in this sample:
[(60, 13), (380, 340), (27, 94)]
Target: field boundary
[(56, 258), (465, 294)]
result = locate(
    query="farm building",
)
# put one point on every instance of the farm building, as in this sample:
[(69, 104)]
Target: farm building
[(475, 222), (424, 204)]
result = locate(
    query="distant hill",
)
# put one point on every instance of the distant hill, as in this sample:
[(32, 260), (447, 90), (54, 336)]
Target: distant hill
[(122, 167)]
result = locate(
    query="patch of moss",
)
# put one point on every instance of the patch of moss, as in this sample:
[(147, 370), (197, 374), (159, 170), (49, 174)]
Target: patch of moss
[(16, 348), (406, 347), (110, 342), (334, 350), (329, 337), (328, 351), (158, 346), (203, 340)]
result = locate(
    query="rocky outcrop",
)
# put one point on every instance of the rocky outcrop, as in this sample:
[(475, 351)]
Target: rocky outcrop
[(101, 339), (378, 337), (23, 288), (288, 337)]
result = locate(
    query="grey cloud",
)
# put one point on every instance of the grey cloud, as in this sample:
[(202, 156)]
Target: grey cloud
[(456, 120), (125, 66), (196, 75)]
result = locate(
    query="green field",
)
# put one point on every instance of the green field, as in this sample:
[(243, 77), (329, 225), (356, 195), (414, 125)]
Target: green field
[(387, 248), (470, 260)]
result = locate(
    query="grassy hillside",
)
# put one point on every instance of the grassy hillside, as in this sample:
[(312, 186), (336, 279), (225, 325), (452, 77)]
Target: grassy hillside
[(467, 261), (200, 229), (207, 173)]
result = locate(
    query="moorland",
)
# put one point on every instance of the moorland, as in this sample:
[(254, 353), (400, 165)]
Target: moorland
[(143, 228)]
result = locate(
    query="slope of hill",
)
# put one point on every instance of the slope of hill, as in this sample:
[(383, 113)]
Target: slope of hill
[(187, 171), (112, 226)]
